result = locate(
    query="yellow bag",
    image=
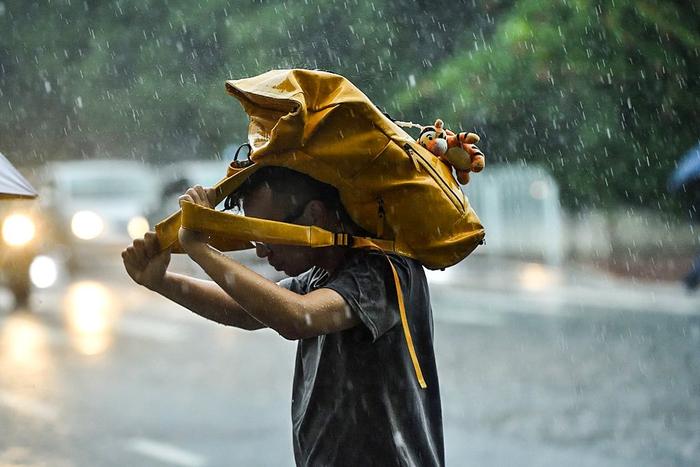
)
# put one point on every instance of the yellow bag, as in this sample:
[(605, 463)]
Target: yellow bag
[(320, 124)]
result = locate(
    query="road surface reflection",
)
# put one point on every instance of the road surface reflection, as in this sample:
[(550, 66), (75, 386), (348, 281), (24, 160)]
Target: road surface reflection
[(91, 312)]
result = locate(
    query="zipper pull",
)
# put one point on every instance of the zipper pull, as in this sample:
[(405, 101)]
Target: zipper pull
[(412, 154), (380, 217)]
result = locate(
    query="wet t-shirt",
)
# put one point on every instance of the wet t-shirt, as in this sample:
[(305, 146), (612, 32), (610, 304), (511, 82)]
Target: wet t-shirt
[(356, 400)]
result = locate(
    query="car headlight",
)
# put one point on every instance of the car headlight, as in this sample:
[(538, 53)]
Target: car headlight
[(137, 227), (18, 229), (43, 272), (86, 225)]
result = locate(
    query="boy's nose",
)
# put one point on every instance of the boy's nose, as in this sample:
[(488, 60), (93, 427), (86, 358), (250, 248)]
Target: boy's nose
[(262, 250)]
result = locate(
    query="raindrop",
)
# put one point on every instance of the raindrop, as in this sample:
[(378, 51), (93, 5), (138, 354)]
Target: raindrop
[(230, 279), (412, 80)]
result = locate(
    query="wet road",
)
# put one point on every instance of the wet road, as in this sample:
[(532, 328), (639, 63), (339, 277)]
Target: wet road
[(536, 373)]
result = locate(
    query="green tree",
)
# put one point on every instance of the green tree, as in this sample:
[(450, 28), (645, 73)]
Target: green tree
[(606, 94), (144, 79)]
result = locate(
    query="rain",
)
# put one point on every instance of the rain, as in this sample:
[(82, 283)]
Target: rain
[(568, 336)]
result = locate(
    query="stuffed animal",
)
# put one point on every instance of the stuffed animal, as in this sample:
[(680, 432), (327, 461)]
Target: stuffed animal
[(457, 150)]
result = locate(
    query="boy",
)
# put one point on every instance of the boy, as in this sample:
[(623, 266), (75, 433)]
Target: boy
[(356, 400)]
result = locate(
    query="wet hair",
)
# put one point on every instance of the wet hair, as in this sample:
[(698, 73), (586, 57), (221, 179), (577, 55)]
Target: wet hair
[(290, 184), (296, 187)]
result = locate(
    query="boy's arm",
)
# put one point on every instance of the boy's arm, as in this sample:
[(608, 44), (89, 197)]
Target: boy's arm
[(206, 299), (147, 266), (292, 315)]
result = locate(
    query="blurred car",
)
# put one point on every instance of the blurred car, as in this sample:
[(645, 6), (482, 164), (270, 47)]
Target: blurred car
[(20, 243), (98, 206), (176, 178), (23, 233)]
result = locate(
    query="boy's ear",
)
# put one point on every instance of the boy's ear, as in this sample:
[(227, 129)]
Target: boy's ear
[(316, 212)]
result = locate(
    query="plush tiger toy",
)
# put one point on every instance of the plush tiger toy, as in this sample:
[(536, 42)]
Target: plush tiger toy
[(457, 150)]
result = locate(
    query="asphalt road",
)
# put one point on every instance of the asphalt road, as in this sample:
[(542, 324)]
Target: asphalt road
[(103, 373)]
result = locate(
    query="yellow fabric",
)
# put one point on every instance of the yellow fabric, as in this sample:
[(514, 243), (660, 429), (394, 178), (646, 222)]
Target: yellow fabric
[(167, 229), (249, 229), (320, 124), (406, 330)]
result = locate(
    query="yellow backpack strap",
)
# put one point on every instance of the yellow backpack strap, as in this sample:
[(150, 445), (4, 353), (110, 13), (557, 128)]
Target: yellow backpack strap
[(206, 220), (241, 230), (375, 245), (404, 324), (167, 229)]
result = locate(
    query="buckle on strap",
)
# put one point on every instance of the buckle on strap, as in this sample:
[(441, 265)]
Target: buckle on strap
[(342, 239)]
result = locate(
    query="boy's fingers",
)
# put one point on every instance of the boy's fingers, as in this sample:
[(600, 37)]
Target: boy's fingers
[(200, 196), (203, 197), (211, 196), (151, 243), (194, 195), (140, 252), (131, 258), (185, 198)]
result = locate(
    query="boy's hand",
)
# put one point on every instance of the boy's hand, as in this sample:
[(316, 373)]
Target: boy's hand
[(190, 239), (145, 263)]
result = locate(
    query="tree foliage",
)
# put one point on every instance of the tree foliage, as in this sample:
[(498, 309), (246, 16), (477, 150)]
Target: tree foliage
[(604, 93)]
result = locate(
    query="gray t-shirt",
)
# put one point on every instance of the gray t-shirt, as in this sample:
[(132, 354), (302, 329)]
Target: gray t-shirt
[(356, 399)]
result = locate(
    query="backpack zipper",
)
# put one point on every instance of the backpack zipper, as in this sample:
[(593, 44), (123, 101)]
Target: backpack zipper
[(418, 158)]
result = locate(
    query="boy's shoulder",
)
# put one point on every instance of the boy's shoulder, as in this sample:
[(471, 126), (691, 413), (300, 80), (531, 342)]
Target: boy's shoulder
[(359, 263), (367, 266)]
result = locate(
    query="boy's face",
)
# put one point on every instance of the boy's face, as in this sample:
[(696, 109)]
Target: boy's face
[(293, 260)]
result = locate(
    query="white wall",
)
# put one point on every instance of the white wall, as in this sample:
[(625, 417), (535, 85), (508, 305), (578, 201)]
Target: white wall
[(520, 210), (519, 207)]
